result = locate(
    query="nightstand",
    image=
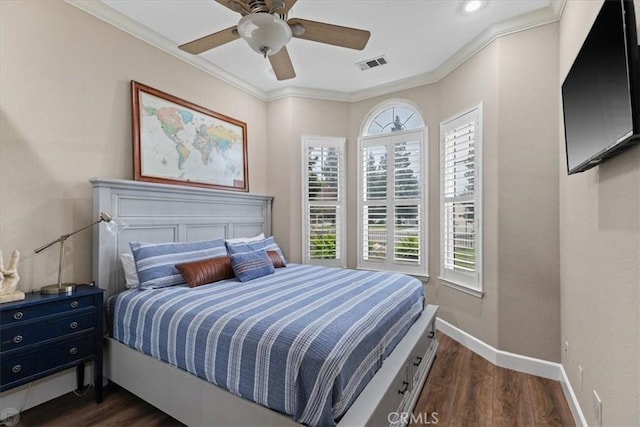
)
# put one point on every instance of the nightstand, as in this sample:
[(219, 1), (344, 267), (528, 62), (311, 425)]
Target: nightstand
[(44, 334)]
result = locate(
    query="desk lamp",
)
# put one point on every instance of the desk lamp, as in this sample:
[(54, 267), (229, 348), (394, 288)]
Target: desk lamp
[(66, 288)]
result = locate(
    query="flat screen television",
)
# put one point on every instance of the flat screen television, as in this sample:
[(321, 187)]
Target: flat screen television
[(601, 93)]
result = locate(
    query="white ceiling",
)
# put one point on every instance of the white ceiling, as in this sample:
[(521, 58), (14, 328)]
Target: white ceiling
[(422, 40)]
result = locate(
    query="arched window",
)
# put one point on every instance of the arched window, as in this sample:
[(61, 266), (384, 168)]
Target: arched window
[(392, 187), (392, 116)]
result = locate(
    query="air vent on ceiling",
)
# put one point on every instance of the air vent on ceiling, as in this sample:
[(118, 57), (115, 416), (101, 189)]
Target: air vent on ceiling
[(372, 63)]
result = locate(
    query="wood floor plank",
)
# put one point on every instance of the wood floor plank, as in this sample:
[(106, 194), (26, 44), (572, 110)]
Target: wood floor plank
[(450, 364), (435, 403), (119, 408), (462, 388), (511, 399), (473, 404), (549, 406)]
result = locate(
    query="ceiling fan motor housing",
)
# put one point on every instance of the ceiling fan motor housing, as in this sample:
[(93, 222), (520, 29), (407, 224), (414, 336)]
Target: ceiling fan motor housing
[(266, 34)]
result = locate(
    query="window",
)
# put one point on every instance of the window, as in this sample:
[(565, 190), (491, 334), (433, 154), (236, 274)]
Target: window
[(324, 204), (392, 212), (460, 200), (393, 119)]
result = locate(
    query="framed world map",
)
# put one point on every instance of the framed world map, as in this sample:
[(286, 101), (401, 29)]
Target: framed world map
[(178, 142)]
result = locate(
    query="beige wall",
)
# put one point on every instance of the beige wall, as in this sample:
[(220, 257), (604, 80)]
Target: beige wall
[(474, 82), (528, 242), (600, 263), (289, 120), (515, 78), (66, 116)]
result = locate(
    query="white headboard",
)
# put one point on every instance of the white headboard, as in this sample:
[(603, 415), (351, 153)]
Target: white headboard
[(168, 213)]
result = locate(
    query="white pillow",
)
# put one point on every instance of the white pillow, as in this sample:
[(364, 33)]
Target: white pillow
[(246, 239), (130, 272)]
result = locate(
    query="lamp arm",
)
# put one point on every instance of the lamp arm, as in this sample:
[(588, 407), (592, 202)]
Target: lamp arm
[(66, 236), (81, 229), (42, 248)]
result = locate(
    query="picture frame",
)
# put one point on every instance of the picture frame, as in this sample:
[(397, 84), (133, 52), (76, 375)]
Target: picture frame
[(178, 142)]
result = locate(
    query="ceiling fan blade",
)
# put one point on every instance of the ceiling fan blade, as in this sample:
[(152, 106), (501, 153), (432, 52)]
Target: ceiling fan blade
[(235, 5), (281, 63), (206, 43), (336, 35), (288, 4)]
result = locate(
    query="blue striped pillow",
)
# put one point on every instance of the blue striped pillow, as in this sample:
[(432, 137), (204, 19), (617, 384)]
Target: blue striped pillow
[(268, 244), (155, 262), (251, 265)]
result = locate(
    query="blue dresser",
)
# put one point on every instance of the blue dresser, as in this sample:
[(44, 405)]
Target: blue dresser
[(44, 334)]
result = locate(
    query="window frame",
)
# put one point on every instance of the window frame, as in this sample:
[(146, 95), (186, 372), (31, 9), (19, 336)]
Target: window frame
[(471, 284), (384, 106), (341, 203), (390, 264)]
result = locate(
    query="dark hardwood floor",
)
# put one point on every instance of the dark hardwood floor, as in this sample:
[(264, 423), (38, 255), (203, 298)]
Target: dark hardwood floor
[(463, 389)]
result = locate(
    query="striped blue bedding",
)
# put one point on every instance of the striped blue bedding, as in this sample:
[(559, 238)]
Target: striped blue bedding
[(304, 341)]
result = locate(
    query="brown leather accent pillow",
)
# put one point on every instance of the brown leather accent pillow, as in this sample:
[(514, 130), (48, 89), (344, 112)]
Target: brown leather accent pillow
[(276, 259), (205, 271)]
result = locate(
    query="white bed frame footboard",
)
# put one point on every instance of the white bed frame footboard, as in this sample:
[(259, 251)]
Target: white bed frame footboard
[(161, 213), (196, 402)]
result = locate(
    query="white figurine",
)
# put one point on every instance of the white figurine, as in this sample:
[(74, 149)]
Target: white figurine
[(9, 279)]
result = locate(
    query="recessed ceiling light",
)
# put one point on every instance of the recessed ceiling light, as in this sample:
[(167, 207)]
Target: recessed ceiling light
[(472, 6)]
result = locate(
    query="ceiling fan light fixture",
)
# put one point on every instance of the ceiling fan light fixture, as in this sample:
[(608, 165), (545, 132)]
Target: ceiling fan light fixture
[(265, 33)]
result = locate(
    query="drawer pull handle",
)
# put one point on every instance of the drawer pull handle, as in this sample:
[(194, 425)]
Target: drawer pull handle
[(16, 369), (418, 361), (73, 350), (73, 325), (405, 387), (18, 315), (74, 304), (432, 334), (17, 339)]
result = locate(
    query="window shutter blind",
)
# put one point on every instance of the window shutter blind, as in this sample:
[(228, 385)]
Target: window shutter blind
[(374, 213), (460, 200), (392, 203), (407, 188), (323, 216), (374, 177)]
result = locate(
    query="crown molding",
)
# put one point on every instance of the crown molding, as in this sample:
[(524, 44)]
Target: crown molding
[(302, 92), (129, 26), (524, 22), (533, 19)]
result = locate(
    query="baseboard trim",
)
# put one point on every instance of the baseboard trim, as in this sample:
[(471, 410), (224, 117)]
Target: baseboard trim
[(528, 365), (578, 416)]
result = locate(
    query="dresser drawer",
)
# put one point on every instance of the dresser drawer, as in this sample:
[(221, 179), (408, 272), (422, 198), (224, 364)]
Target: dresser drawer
[(18, 336), (21, 314), (20, 365), (418, 354)]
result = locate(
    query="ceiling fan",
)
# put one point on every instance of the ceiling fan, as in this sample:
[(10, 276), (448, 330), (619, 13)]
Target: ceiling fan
[(265, 28)]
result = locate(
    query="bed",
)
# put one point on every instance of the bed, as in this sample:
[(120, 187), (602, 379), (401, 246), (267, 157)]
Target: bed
[(397, 357)]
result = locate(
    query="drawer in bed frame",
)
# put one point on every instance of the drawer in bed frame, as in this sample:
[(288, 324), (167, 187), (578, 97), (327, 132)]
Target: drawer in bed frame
[(403, 390)]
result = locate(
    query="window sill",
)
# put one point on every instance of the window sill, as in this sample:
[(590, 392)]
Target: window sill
[(462, 288)]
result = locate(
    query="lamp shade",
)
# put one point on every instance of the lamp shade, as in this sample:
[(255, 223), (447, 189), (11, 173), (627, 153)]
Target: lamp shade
[(265, 33)]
